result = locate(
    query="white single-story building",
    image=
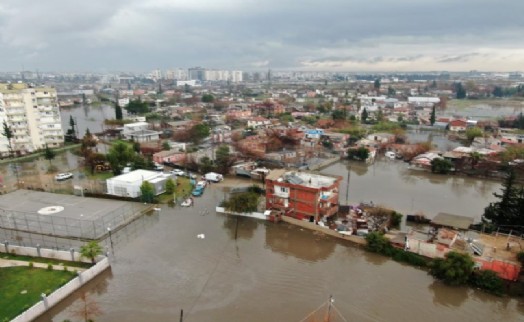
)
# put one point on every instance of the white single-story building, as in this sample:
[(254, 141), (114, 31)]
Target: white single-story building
[(128, 185), (139, 132)]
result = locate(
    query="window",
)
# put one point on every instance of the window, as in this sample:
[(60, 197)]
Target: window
[(283, 189)]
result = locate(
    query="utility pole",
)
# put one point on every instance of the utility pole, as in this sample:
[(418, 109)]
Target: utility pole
[(347, 188)]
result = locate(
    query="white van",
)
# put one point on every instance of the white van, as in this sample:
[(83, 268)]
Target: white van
[(215, 177)]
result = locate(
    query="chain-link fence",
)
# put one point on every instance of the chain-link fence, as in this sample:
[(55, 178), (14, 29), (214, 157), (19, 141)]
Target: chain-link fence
[(54, 225)]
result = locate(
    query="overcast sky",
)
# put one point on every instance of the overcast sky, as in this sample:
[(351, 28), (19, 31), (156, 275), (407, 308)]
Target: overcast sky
[(330, 35)]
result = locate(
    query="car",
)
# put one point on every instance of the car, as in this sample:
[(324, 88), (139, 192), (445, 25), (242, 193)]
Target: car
[(202, 184), (64, 176), (178, 172), (198, 191), (158, 167), (215, 177)]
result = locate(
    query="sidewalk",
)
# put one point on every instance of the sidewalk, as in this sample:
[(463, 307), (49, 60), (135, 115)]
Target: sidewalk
[(13, 263)]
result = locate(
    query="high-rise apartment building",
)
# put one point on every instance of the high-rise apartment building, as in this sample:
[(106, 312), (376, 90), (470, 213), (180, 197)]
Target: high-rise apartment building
[(33, 116)]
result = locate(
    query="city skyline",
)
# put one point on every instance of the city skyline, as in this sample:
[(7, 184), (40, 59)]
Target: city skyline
[(244, 35)]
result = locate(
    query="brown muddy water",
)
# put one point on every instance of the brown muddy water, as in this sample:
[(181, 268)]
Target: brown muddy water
[(271, 272)]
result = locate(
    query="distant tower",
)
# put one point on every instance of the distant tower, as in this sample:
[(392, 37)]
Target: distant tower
[(269, 79)]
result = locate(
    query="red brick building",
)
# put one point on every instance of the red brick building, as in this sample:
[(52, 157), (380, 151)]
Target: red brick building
[(302, 195)]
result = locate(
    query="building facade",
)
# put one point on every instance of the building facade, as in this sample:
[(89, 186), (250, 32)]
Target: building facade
[(33, 116), (302, 195)]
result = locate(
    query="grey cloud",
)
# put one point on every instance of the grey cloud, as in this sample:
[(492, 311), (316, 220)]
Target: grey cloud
[(141, 35)]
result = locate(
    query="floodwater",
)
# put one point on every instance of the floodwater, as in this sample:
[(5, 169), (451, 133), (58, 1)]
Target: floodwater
[(271, 272), (87, 117), (392, 184), (278, 272)]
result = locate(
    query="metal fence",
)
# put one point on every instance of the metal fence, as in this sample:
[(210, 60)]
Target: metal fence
[(65, 227)]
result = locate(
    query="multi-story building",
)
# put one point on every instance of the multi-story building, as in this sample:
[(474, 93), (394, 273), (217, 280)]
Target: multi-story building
[(303, 195), (33, 116)]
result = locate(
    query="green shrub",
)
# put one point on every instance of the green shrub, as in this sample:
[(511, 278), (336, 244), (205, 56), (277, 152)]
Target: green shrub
[(49, 267), (455, 269), (396, 219), (488, 281), (520, 257), (378, 243), (31, 264)]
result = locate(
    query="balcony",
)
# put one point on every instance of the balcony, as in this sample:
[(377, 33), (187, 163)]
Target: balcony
[(15, 111), (329, 211)]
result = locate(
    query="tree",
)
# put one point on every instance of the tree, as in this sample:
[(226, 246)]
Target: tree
[(364, 116), (223, 159), (137, 107), (208, 98), (509, 210), (72, 123), (91, 250), (377, 242), (338, 115), (118, 112), (361, 153), (8, 133), (49, 154), (119, 155), (432, 117), (498, 92), (473, 132), (242, 202), (376, 85), (170, 186), (455, 269), (391, 91), (460, 91), (166, 146), (441, 166), (147, 192), (205, 165), (199, 132)]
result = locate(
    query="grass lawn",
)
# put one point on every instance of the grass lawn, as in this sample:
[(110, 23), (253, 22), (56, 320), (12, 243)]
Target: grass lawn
[(183, 188), (31, 281), (44, 260), (99, 175)]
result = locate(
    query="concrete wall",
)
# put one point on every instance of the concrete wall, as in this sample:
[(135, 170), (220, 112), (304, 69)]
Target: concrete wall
[(72, 256), (256, 215), (324, 163), (311, 226), (54, 298)]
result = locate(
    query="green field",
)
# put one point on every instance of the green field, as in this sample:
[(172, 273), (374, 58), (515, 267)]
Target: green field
[(44, 260), (20, 288)]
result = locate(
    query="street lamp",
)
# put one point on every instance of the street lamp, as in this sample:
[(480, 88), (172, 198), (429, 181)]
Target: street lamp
[(110, 239)]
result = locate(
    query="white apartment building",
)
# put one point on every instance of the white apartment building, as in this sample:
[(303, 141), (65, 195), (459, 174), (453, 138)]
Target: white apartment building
[(33, 116)]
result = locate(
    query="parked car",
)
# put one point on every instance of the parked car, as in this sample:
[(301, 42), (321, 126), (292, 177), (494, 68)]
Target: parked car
[(158, 167), (198, 191), (202, 184), (215, 177), (64, 176), (178, 172)]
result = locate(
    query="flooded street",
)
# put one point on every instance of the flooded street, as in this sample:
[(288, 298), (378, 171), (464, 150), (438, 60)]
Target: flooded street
[(272, 272)]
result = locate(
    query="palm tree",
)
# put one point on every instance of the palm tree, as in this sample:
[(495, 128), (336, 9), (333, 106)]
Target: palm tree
[(91, 250)]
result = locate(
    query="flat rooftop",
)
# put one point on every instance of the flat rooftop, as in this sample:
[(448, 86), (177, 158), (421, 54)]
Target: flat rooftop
[(306, 179), (80, 208)]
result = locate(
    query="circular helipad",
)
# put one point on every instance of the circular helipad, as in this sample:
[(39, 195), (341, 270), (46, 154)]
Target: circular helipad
[(50, 210)]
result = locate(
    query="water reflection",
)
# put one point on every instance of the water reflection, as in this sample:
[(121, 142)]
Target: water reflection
[(300, 243), (448, 296), (242, 228), (98, 285), (375, 259)]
